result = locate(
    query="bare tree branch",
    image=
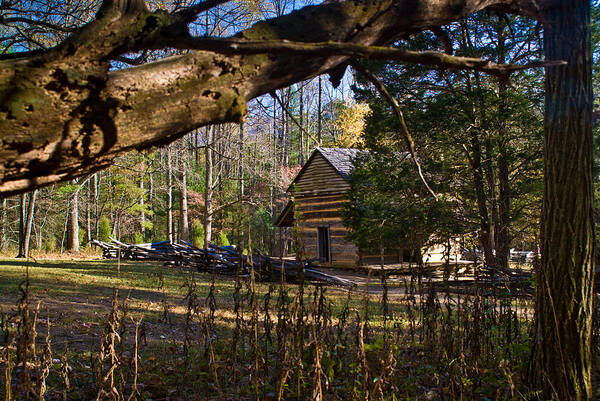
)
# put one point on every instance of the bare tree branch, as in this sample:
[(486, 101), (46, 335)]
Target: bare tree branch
[(190, 13), (325, 49), (46, 24), (274, 96)]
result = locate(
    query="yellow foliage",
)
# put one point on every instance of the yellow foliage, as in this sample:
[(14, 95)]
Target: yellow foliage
[(351, 124)]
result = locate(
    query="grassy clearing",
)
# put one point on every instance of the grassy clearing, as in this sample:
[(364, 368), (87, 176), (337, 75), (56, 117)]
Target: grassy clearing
[(84, 289), (201, 337)]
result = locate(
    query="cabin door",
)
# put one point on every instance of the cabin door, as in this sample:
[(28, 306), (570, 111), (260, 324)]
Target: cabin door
[(323, 239)]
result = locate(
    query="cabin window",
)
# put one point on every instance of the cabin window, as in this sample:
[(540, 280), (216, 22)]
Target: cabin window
[(323, 239)]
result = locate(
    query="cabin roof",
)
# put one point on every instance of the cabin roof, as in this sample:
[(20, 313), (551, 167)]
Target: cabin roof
[(341, 159)]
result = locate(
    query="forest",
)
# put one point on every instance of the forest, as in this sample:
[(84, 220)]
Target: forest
[(143, 121)]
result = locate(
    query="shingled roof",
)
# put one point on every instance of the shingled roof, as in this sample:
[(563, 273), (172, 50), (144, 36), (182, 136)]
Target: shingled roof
[(341, 158)]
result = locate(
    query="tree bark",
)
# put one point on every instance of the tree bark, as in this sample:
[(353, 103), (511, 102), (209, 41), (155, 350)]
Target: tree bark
[(30, 212), (319, 112), (4, 222), (88, 211), (241, 162), (169, 194), (21, 253), (184, 226), (561, 350), (73, 227), (485, 238), (151, 200), (208, 185), (503, 237), (301, 130), (142, 213), (96, 198)]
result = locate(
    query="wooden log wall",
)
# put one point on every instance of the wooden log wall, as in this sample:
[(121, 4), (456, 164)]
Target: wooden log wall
[(325, 211)]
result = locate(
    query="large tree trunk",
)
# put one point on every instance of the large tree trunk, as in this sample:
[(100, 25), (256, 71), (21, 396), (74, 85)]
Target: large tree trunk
[(301, 130), (561, 349), (142, 213), (169, 194), (241, 162), (21, 253), (184, 226), (73, 227), (4, 222), (30, 212), (208, 186)]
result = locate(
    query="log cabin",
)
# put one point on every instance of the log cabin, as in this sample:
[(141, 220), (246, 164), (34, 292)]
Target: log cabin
[(319, 192)]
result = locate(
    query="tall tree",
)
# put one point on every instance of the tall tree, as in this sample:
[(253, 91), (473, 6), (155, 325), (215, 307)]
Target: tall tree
[(184, 225), (29, 224), (22, 205), (73, 220), (170, 235), (4, 223), (208, 184), (561, 355)]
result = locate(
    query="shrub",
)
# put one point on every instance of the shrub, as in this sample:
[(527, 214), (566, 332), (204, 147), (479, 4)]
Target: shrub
[(222, 239), (197, 233), (104, 229), (49, 244), (138, 238), (82, 237)]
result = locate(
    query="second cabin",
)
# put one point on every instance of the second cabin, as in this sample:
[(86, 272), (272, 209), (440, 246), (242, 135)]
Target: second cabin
[(319, 191)]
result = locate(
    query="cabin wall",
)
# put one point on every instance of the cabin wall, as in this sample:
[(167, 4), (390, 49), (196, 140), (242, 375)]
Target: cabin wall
[(325, 211)]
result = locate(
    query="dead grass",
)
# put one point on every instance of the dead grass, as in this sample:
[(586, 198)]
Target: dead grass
[(162, 333)]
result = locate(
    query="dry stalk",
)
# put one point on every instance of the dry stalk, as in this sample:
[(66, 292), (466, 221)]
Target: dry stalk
[(254, 319), (134, 386), (108, 352), (46, 362), (9, 364), (388, 365), (25, 338), (362, 357), (64, 373), (212, 362), (317, 369), (237, 331)]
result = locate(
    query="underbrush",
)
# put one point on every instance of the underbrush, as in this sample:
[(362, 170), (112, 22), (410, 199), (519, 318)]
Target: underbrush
[(277, 342)]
